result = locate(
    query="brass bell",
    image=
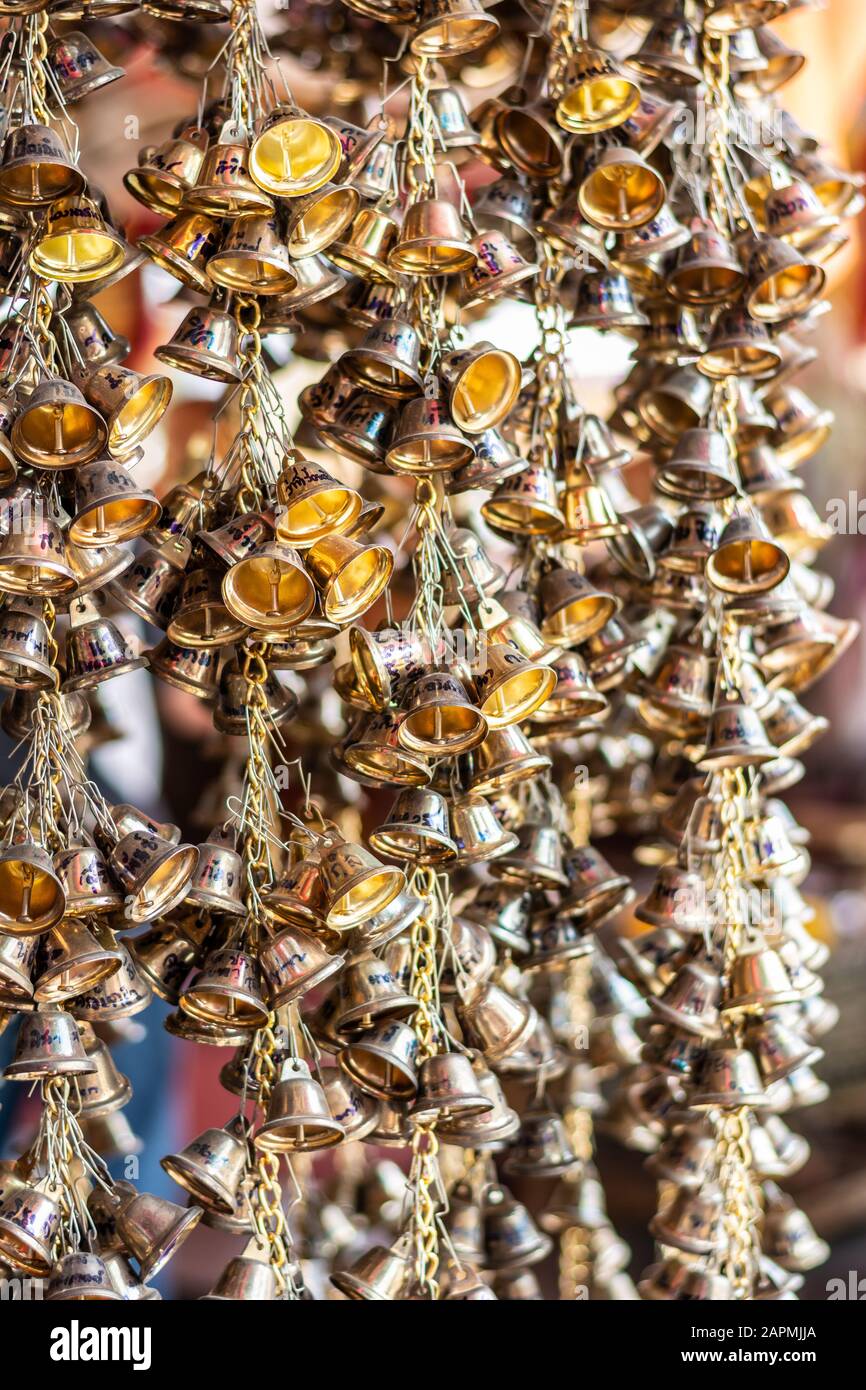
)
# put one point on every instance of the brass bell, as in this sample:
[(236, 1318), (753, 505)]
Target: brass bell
[(166, 174), (495, 460), (484, 382), (350, 1107), (621, 191), (315, 280), (367, 247), (29, 1223), (356, 884), (449, 28), (372, 752), (453, 126), (494, 1022), (527, 135), (74, 961), (510, 688), (391, 921), (370, 992), (789, 1237), (598, 95), (511, 1238), (504, 758), (223, 186), (690, 1001), (572, 608), (432, 241), (294, 962), (80, 1274), (318, 219), (153, 1229), (728, 1079), (801, 428), (378, 1276), (131, 404), (105, 1090), (747, 559), (383, 1060), (528, 502), (24, 655), (605, 301), (217, 883), (669, 53), (48, 1044), (440, 717), (269, 588), (194, 670), (253, 258), (593, 886), (692, 1221), (79, 67), (119, 995), (782, 281), (349, 576), (75, 244), (299, 1119), (36, 167), (97, 343), (95, 649), (735, 737), (779, 1050), (183, 248), (759, 980), (476, 832), (506, 205), (16, 963), (226, 991), (32, 899), (416, 828), (739, 346), (426, 439), (498, 269), (361, 429), (211, 1166), (369, 302), (164, 956), (386, 360), (206, 344), (676, 899), (57, 428), (447, 1089), (656, 237), (707, 270), (200, 618), (155, 873), (386, 661), (109, 506), (293, 154), (700, 467)]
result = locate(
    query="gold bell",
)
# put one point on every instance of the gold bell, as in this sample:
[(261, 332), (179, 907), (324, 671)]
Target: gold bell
[(75, 961), (152, 1230), (349, 576), (194, 670), (605, 301), (293, 154), (701, 466), (211, 1166), (476, 832), (356, 884), (484, 382), (367, 248), (79, 67), (498, 269), (572, 608), (110, 506), (75, 245), (131, 404), (526, 134), (97, 343), (373, 752), (739, 346), (386, 661), (747, 560), (17, 954), (294, 962), (432, 241), (527, 502), (379, 1275), (165, 175), (299, 1118), (230, 716), (598, 95), (318, 219), (183, 248), (270, 588), (223, 185), (200, 618), (155, 873), (510, 688), (253, 257), (782, 281), (316, 280), (735, 737), (81, 1275), (426, 439), (440, 719), (416, 829), (382, 1061), (226, 991), (204, 343), (48, 1044), (449, 28), (472, 577), (692, 1221), (32, 899), (707, 270), (801, 428), (386, 360), (57, 428), (29, 1223), (24, 655), (36, 167), (670, 53), (316, 505), (218, 879), (369, 992), (621, 192), (95, 649)]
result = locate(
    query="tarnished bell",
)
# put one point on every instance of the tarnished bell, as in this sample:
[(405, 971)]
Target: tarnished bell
[(204, 343), (48, 1044), (81, 1276), (79, 67), (152, 1230), (298, 1119), (211, 1166)]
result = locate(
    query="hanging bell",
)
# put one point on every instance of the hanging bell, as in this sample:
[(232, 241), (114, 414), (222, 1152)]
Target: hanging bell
[(370, 992), (416, 829), (183, 248), (294, 962), (597, 94), (378, 1276), (747, 560), (382, 1061), (95, 649), (80, 1275), (299, 1119), (692, 1221), (269, 588), (48, 1044), (218, 879), (735, 737), (29, 1224), (155, 873), (79, 67), (386, 360), (503, 759), (356, 884), (572, 608), (75, 245), (476, 832), (484, 383), (105, 1090), (36, 167), (131, 404), (57, 428), (432, 241), (74, 961), (782, 282), (204, 343), (211, 1166), (349, 576), (449, 28), (386, 661), (226, 991), (253, 258), (511, 1238), (527, 503), (605, 301), (152, 1230), (316, 280), (318, 219), (509, 687), (293, 154), (707, 270), (670, 53), (498, 269), (194, 670), (97, 343), (728, 1079), (223, 186), (200, 618), (426, 440), (32, 899), (110, 506), (621, 192), (440, 719), (24, 653), (367, 248), (165, 175), (471, 577)]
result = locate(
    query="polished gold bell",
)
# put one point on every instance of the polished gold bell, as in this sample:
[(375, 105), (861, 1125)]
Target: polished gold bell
[(316, 505), (223, 185), (57, 428), (293, 154), (621, 192), (165, 175), (597, 94), (36, 167), (75, 244), (184, 246), (356, 884), (131, 404), (747, 560), (484, 383), (498, 269), (386, 360), (269, 589), (432, 241), (349, 576), (205, 343), (449, 28), (298, 1119), (253, 257), (32, 899), (426, 439), (109, 505), (440, 719)]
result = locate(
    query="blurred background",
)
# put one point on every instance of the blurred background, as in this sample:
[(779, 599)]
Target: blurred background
[(163, 754)]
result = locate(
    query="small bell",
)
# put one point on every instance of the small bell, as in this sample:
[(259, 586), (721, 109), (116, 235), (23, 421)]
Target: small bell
[(79, 67), (449, 28), (152, 1229), (183, 248), (432, 241), (293, 154), (211, 1166), (498, 269), (227, 990), (367, 247), (386, 360), (223, 186), (298, 1118), (36, 167), (29, 1224), (95, 649), (32, 899), (131, 404), (484, 382), (294, 962), (439, 716), (166, 174), (48, 1044), (57, 428), (75, 245), (269, 588), (356, 884), (511, 1238), (382, 1061), (253, 257), (416, 829), (156, 874), (205, 343), (378, 1276), (349, 576)]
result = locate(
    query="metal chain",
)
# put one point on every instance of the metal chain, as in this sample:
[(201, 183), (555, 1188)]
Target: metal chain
[(267, 1194), (424, 1176)]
